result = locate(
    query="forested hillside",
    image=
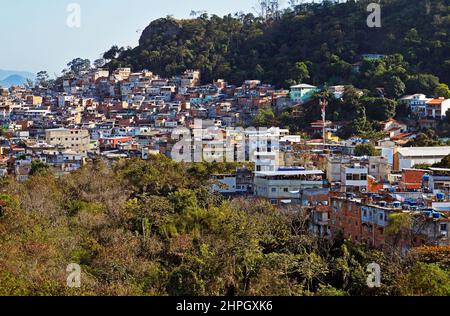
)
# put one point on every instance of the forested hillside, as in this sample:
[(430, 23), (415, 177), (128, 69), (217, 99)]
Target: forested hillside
[(154, 228), (325, 38)]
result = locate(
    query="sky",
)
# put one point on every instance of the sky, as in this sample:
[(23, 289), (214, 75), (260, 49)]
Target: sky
[(34, 34)]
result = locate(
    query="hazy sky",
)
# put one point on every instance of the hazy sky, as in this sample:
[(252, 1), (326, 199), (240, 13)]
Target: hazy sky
[(34, 35)]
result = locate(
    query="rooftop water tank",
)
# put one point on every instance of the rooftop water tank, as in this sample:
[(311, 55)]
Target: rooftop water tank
[(397, 204), (382, 203)]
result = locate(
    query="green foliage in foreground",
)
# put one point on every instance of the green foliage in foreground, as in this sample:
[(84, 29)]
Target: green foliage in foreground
[(153, 228)]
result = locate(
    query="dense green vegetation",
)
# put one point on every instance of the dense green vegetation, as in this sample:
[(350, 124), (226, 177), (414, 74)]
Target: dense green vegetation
[(153, 228), (318, 43)]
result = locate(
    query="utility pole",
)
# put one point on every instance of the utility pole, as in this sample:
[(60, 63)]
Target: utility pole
[(324, 104)]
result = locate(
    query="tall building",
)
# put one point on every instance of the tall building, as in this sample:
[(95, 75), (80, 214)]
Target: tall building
[(76, 140)]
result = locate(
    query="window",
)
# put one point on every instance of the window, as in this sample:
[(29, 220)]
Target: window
[(364, 177), (444, 227), (349, 177), (274, 190), (286, 190)]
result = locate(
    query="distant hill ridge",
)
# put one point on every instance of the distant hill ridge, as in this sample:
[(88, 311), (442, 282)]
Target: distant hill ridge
[(10, 78)]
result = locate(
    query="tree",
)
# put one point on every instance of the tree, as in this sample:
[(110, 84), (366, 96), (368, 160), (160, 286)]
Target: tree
[(442, 90), (264, 118), (366, 150), (29, 84), (422, 83), (426, 280), (39, 167), (398, 228), (99, 63), (444, 163), (42, 78), (328, 290), (312, 267), (78, 66), (184, 282), (301, 72), (111, 53), (427, 139), (379, 109), (395, 87)]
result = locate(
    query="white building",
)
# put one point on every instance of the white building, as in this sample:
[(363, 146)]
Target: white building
[(354, 178), (285, 186), (408, 157), (425, 107), (417, 103), (437, 108)]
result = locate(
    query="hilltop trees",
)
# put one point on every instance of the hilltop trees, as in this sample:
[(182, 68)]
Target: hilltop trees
[(43, 79), (79, 66), (320, 43)]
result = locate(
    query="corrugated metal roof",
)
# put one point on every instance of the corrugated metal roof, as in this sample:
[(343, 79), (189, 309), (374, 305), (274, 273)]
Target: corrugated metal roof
[(424, 151)]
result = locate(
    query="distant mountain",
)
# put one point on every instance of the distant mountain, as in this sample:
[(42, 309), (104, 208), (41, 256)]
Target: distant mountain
[(6, 73), (13, 80)]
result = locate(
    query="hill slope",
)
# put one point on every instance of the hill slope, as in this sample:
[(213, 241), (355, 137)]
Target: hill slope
[(327, 37)]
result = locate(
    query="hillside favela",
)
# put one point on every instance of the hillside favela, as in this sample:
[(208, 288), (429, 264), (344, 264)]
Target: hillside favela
[(285, 148)]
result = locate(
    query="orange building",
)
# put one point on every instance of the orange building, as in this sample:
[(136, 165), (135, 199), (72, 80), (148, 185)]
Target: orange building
[(346, 218), (411, 179)]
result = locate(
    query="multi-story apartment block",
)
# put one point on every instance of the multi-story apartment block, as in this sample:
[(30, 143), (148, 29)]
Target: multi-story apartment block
[(364, 220), (302, 92), (76, 140), (354, 178), (424, 107)]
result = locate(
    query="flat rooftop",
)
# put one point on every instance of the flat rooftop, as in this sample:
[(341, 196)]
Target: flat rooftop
[(289, 173), (424, 151)]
